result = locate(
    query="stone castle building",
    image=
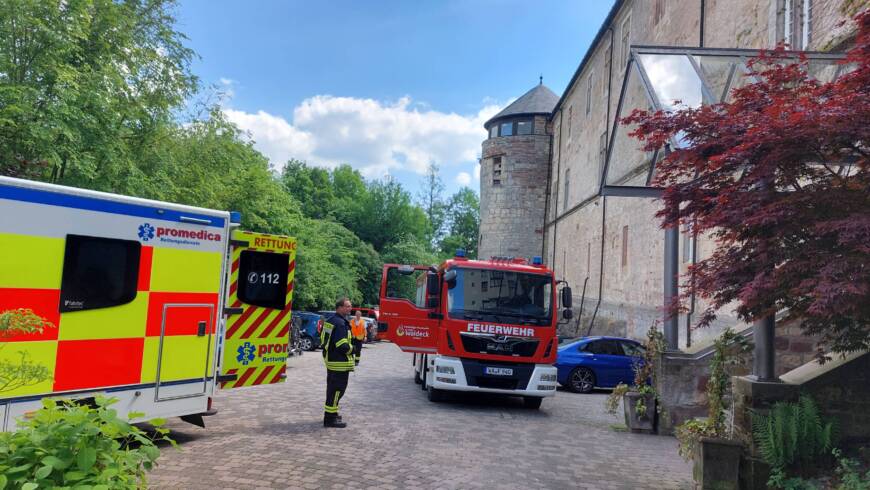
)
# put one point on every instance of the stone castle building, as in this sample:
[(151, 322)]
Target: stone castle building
[(561, 180)]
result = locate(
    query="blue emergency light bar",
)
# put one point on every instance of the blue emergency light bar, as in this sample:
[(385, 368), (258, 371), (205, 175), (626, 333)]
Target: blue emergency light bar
[(537, 260), (235, 217), (460, 252)]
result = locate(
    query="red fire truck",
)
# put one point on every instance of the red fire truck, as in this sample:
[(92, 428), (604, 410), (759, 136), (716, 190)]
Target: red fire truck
[(476, 325)]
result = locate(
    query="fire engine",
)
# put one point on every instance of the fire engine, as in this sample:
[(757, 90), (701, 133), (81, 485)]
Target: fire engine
[(152, 303), (476, 325)]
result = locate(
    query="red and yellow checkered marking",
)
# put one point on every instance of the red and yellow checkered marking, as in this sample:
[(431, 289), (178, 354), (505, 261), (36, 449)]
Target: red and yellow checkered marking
[(112, 346), (265, 329)]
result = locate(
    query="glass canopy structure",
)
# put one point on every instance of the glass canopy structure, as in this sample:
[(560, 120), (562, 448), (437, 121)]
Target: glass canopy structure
[(671, 78)]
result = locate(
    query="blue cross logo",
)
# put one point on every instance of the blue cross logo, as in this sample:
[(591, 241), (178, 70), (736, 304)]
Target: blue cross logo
[(246, 353), (146, 232)]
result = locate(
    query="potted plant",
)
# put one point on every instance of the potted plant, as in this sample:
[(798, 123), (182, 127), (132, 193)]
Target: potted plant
[(640, 400), (708, 442)]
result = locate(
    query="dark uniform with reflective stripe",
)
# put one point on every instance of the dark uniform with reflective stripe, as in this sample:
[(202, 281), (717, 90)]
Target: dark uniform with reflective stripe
[(338, 357)]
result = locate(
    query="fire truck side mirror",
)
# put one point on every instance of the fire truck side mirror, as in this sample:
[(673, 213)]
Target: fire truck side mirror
[(450, 278), (567, 313), (433, 286), (566, 297), (405, 270)]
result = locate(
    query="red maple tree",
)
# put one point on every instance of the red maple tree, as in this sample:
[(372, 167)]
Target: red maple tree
[(779, 177)]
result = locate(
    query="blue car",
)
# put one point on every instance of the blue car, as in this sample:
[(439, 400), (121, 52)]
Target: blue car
[(597, 362), (309, 329)]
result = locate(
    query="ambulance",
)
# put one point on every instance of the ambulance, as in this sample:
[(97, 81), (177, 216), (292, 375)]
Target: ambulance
[(155, 304)]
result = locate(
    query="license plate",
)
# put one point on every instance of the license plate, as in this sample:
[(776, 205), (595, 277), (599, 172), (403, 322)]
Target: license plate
[(496, 371)]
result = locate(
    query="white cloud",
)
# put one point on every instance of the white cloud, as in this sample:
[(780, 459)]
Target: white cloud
[(372, 136), (463, 178)]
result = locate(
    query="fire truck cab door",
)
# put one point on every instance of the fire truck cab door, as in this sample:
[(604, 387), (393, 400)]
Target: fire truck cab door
[(409, 315), (259, 301)]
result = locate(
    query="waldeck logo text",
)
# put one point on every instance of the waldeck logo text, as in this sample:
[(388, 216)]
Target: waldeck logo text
[(500, 329), (414, 332), (177, 235)]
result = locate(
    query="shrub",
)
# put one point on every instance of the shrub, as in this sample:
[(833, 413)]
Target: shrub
[(792, 438), (65, 444)]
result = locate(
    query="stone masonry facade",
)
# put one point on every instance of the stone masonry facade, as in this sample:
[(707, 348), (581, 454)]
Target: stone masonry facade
[(611, 250)]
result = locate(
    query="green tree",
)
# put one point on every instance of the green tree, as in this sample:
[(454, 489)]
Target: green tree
[(431, 198), (386, 215), (463, 211), (86, 85), (311, 186)]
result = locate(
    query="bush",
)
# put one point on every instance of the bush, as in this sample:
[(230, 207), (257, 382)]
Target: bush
[(65, 444)]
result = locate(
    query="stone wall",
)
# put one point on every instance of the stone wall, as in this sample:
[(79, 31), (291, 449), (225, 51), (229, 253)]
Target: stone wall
[(512, 211), (683, 377)]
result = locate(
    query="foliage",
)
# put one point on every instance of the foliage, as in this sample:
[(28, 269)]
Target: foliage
[(724, 356), (65, 444), (432, 201), (22, 371), (779, 177), (463, 211), (792, 438), (85, 84), (645, 377), (849, 473)]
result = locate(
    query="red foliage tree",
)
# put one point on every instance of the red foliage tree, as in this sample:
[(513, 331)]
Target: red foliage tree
[(779, 177)]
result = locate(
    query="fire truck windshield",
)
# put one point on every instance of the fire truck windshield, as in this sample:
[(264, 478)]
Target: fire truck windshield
[(500, 296)]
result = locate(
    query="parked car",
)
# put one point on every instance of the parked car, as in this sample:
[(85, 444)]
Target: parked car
[(309, 330), (597, 362)]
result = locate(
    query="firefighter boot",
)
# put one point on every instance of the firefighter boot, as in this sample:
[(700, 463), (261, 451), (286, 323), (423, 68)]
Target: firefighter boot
[(332, 420)]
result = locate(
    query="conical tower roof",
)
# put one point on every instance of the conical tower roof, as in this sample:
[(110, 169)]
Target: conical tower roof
[(539, 100)]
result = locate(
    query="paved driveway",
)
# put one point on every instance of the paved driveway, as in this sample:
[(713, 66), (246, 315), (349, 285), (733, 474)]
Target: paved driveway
[(273, 437)]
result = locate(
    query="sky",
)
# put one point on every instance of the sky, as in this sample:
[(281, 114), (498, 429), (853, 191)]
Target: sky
[(388, 87)]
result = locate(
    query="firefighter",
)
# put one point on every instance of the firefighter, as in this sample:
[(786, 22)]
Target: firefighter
[(335, 338), (358, 330)]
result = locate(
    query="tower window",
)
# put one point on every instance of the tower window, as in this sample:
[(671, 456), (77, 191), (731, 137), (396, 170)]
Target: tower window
[(524, 127), (507, 129), (496, 171), (493, 131)]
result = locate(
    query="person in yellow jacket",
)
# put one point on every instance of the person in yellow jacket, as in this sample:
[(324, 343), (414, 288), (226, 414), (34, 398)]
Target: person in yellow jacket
[(335, 339), (358, 331)]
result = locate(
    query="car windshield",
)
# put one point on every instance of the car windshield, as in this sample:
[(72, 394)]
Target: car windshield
[(500, 296)]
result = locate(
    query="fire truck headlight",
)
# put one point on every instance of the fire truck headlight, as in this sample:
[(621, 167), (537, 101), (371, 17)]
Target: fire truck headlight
[(548, 377), (446, 380), (445, 370)]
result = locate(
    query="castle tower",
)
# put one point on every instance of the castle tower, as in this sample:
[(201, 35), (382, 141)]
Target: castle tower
[(513, 176)]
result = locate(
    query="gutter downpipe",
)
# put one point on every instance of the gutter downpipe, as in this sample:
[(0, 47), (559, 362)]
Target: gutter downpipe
[(558, 181), (691, 311), (603, 198), (547, 200)]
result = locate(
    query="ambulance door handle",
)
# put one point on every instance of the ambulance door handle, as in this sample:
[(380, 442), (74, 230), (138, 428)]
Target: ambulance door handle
[(201, 331), (197, 221)]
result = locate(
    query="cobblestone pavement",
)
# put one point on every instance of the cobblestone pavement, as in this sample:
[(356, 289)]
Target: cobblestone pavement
[(273, 437)]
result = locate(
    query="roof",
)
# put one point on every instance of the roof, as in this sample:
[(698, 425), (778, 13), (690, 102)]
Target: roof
[(538, 100)]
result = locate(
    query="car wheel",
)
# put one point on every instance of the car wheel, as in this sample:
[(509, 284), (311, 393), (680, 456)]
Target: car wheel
[(581, 380), (306, 343), (533, 402)]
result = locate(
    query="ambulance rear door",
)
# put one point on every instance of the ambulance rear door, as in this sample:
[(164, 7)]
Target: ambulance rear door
[(259, 303)]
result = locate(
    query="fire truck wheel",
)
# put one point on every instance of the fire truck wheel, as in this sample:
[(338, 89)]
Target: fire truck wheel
[(533, 402), (417, 378), (581, 380), (434, 395)]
